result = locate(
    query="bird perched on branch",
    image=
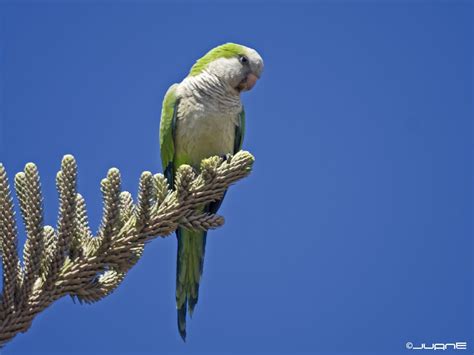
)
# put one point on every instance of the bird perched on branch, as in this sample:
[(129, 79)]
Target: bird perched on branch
[(202, 117)]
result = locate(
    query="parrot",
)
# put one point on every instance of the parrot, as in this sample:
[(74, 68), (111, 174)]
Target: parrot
[(203, 116)]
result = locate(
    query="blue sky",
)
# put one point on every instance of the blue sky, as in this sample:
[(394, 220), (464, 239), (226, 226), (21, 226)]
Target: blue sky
[(354, 232)]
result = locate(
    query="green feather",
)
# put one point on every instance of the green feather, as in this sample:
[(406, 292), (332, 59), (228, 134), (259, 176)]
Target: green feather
[(191, 244), (239, 132), (189, 267), (227, 50), (168, 119)]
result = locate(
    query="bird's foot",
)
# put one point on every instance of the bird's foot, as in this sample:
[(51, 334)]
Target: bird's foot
[(226, 157)]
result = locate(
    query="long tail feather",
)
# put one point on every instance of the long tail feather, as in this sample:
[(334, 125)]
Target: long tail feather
[(189, 268), (182, 321)]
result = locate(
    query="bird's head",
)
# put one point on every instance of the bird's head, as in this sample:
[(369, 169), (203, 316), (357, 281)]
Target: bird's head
[(238, 66)]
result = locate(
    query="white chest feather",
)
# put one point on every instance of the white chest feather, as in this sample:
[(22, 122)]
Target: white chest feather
[(205, 125)]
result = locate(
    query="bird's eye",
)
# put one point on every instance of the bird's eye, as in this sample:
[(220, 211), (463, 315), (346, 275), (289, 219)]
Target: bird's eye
[(243, 59)]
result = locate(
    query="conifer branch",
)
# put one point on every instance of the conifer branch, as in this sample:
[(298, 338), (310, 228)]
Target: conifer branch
[(70, 260)]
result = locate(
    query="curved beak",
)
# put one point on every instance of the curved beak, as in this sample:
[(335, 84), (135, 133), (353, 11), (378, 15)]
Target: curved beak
[(251, 81), (248, 83)]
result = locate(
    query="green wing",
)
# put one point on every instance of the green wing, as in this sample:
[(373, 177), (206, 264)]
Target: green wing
[(239, 132), (167, 131)]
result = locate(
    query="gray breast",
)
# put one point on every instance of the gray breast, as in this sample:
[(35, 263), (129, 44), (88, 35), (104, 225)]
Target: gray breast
[(206, 120)]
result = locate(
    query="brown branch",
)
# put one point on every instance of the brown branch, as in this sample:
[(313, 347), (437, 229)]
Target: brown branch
[(70, 260)]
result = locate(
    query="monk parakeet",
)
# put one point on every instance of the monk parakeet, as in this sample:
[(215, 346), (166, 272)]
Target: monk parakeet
[(202, 117)]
